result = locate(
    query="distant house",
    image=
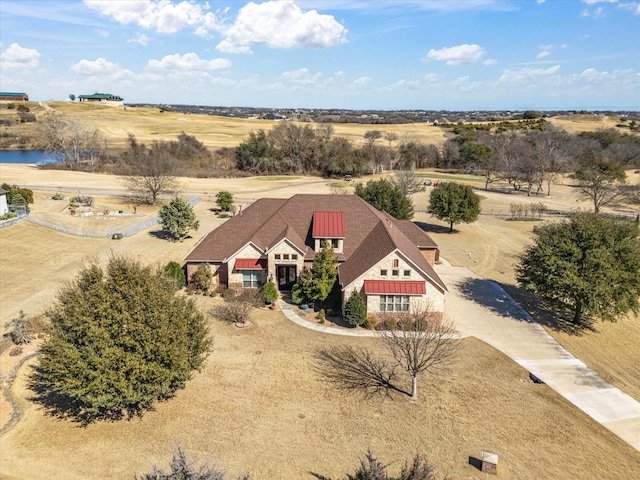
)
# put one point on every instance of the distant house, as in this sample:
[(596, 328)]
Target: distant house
[(4, 206), (105, 98), (13, 97), (388, 261)]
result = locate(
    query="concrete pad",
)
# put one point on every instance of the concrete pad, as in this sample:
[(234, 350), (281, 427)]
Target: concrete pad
[(628, 428), (481, 308)]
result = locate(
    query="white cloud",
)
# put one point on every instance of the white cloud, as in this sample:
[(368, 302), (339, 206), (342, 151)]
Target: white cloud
[(188, 62), (16, 57), (142, 39), (490, 61), (100, 66), (361, 82), (593, 2), (528, 74), (591, 75), (407, 84), (633, 6), (544, 53), (458, 55), (301, 76), (225, 46), (282, 24), (464, 84), (164, 16), (102, 33)]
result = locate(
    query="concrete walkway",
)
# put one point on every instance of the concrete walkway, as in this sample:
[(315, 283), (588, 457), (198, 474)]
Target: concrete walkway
[(482, 309)]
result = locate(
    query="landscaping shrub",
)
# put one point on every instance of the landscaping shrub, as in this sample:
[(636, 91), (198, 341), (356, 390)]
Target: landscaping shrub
[(355, 310), (270, 292), (176, 272), (202, 278)]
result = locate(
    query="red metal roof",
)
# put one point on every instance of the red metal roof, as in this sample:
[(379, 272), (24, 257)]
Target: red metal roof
[(394, 287), (328, 225), (250, 264)]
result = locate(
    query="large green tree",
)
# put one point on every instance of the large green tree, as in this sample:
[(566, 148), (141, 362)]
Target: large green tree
[(177, 217), (385, 196), (120, 340), (318, 282), (455, 203), (589, 265)]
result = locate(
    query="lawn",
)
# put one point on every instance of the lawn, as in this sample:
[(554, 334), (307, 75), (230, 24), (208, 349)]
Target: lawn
[(259, 405)]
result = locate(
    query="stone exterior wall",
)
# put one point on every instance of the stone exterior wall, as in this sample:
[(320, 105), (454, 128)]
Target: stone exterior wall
[(282, 249), (234, 279), (433, 300)]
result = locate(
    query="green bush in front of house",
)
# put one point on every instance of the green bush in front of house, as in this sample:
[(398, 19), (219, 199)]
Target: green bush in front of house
[(355, 310), (270, 292), (176, 273)]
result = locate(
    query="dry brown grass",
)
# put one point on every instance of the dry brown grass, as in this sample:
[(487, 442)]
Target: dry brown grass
[(258, 406), (148, 124)]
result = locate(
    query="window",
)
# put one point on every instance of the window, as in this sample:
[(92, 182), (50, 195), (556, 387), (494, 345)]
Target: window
[(285, 256), (395, 273), (394, 303), (407, 273), (294, 256), (383, 273), (395, 263), (251, 279), (335, 243), (277, 256)]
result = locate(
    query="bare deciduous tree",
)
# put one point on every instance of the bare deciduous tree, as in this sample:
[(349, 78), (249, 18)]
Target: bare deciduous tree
[(408, 182), (68, 141), (422, 342), (154, 171)]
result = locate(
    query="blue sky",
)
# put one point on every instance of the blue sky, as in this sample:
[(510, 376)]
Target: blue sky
[(356, 54)]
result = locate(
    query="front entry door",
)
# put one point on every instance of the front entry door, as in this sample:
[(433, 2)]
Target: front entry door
[(287, 277)]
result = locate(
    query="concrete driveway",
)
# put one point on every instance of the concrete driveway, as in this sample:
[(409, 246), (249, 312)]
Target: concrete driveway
[(481, 308)]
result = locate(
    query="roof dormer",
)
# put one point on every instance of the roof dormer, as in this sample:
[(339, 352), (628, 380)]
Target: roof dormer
[(329, 226)]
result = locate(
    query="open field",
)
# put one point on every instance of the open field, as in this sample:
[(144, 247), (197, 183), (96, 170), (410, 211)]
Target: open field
[(259, 406), (149, 124)]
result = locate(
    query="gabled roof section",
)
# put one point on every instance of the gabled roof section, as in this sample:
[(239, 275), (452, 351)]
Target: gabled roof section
[(384, 239), (328, 225), (417, 236), (395, 287)]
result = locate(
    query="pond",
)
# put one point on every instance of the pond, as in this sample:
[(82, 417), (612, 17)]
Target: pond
[(37, 157)]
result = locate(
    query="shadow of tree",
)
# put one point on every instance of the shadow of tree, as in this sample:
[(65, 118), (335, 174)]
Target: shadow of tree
[(431, 228), (161, 234), (491, 295), (554, 318), (357, 369)]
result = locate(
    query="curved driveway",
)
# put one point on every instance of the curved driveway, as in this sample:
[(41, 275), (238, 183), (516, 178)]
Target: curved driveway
[(482, 309)]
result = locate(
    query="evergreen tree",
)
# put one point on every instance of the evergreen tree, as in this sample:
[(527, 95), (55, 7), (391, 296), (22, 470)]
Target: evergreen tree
[(588, 265), (383, 195), (120, 340), (317, 284), (177, 218), (455, 203), (355, 310)]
